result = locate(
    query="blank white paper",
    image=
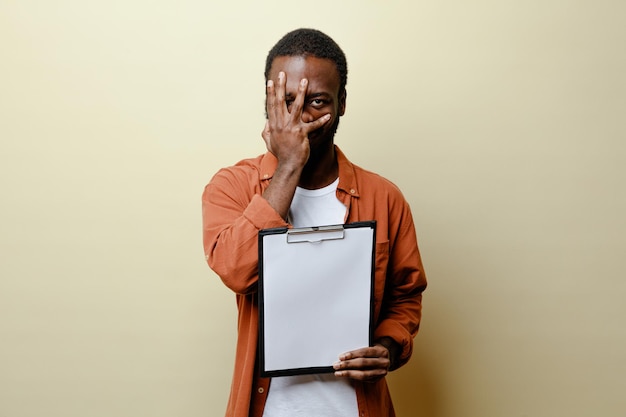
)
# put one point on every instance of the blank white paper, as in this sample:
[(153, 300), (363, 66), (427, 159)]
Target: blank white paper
[(316, 299)]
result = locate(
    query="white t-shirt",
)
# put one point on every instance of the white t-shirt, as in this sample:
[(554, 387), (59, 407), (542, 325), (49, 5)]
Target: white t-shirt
[(316, 207), (320, 394)]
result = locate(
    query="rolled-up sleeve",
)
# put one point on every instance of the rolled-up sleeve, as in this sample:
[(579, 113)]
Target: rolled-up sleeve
[(233, 212)]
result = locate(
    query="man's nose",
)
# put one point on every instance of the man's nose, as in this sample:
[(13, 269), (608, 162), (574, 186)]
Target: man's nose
[(307, 117)]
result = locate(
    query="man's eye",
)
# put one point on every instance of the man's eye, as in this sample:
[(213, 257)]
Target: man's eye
[(317, 102)]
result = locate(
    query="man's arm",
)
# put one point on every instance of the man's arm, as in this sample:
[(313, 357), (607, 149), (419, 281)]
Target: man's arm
[(231, 218), (400, 312), (286, 136), (233, 212)]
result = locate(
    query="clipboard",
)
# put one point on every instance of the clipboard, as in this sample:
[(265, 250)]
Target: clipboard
[(315, 296)]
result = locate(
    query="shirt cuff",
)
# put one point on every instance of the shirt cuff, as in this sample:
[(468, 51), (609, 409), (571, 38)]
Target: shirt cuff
[(262, 215), (395, 331)]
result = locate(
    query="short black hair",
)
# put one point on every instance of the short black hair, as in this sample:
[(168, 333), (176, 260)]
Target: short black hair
[(310, 42)]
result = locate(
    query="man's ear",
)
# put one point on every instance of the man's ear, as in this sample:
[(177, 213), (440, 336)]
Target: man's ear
[(342, 102)]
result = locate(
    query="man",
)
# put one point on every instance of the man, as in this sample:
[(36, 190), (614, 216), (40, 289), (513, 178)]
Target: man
[(305, 180)]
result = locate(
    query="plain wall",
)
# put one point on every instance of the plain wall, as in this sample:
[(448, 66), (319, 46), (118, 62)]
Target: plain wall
[(502, 122)]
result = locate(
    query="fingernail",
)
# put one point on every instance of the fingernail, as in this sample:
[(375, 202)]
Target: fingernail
[(303, 82), (270, 83)]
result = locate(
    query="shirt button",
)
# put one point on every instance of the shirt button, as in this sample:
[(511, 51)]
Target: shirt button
[(261, 390), (352, 191)]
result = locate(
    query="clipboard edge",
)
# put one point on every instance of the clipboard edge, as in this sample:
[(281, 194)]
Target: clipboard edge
[(296, 371), (260, 343)]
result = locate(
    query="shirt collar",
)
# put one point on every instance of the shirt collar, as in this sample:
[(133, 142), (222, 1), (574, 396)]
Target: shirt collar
[(347, 179)]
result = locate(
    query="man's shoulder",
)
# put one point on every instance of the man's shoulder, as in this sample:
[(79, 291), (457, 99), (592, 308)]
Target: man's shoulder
[(244, 174), (244, 166), (366, 179), (248, 163), (371, 179)]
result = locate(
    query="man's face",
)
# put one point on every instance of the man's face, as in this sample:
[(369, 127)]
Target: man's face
[(322, 95)]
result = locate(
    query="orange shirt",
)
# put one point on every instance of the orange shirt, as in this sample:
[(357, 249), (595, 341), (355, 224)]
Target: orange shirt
[(234, 211)]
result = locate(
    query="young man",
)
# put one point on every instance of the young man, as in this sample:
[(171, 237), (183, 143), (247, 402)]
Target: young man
[(305, 180)]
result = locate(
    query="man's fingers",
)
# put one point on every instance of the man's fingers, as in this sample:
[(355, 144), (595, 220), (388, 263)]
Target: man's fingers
[(362, 369), (363, 363), (366, 352), (280, 88), (271, 98), (290, 112), (316, 124), (286, 131), (368, 375), (276, 106), (297, 104)]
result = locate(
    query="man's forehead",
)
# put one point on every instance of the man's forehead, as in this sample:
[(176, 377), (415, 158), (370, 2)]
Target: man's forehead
[(321, 73), (304, 67)]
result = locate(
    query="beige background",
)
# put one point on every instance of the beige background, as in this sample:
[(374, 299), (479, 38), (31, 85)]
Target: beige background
[(502, 121)]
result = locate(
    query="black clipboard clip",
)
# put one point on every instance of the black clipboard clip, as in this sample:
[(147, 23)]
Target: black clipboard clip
[(315, 234)]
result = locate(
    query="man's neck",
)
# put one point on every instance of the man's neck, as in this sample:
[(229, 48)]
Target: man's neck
[(321, 169)]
